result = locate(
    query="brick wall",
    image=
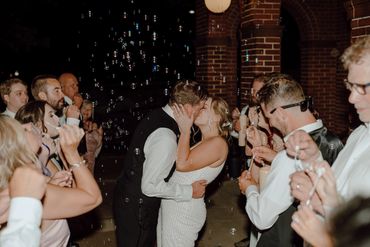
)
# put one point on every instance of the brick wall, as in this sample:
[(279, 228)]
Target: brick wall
[(323, 30), (359, 13), (326, 27), (217, 50), (260, 41)]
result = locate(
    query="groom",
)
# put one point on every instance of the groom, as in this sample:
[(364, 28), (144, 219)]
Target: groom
[(148, 165)]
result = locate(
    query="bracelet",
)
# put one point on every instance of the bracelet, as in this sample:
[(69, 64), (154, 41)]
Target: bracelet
[(78, 165)]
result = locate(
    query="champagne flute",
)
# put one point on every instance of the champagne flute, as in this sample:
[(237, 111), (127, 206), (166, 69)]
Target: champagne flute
[(297, 163), (319, 172)]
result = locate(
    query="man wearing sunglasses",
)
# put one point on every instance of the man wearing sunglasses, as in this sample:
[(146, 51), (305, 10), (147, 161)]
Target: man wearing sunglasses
[(285, 106), (351, 168)]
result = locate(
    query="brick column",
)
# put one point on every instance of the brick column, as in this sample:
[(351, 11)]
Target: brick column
[(217, 50), (260, 41), (359, 13)]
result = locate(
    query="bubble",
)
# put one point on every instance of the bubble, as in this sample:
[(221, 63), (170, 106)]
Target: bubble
[(232, 231), (154, 68)]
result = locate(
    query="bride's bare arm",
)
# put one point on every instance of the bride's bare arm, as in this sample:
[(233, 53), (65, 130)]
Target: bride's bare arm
[(60, 202), (183, 147), (211, 152)]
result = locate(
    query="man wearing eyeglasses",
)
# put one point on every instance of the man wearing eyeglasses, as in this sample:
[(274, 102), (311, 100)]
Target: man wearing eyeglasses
[(270, 208), (351, 168)]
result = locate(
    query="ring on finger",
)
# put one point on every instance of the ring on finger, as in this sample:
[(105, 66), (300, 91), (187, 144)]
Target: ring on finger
[(295, 218)]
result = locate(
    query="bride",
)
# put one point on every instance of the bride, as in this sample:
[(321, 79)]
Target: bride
[(180, 222)]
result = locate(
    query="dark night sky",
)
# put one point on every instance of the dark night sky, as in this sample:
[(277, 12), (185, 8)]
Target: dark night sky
[(36, 35), (33, 33)]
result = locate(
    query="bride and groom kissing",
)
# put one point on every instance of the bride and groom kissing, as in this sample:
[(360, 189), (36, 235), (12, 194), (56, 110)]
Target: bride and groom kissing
[(159, 194)]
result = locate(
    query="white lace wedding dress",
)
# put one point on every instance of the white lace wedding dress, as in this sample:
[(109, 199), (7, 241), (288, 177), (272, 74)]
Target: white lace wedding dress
[(180, 222)]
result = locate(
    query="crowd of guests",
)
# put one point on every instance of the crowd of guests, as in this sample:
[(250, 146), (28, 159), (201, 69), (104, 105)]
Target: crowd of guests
[(54, 135), (316, 188), (302, 185)]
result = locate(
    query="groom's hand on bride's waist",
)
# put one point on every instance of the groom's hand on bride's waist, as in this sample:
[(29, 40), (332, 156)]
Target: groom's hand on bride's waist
[(199, 188)]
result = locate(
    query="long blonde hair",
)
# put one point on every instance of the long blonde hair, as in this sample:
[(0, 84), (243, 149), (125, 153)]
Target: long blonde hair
[(221, 108), (14, 149)]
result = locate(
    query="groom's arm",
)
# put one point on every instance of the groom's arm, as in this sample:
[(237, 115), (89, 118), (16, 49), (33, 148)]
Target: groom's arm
[(160, 154)]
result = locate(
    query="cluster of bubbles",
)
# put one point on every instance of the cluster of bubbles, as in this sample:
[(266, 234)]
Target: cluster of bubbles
[(129, 64), (130, 60)]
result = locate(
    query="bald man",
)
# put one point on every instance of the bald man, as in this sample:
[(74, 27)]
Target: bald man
[(69, 85)]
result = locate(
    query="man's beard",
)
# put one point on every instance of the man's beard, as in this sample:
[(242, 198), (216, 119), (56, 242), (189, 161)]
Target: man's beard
[(59, 107)]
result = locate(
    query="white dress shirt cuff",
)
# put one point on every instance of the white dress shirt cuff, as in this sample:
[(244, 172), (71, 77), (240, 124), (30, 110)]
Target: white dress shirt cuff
[(251, 189), (73, 121)]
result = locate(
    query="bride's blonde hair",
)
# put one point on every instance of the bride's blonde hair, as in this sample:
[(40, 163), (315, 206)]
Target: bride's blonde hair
[(14, 149), (221, 108)]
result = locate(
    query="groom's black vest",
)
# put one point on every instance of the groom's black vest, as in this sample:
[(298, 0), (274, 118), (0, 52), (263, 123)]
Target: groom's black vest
[(281, 234), (129, 182)]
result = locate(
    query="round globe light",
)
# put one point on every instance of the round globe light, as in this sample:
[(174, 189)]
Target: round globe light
[(217, 6)]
